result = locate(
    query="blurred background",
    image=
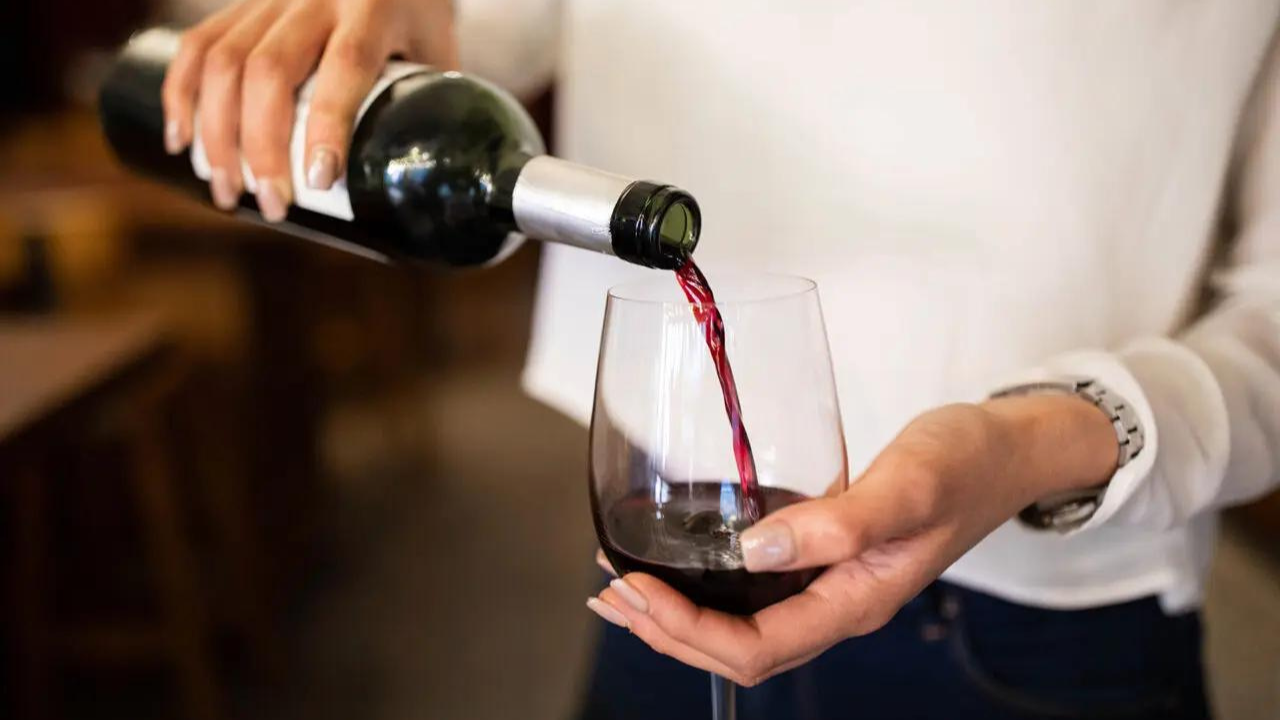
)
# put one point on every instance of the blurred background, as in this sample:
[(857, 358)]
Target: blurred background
[(245, 476)]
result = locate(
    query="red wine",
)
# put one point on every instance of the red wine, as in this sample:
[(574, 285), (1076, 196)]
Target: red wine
[(443, 168), (686, 534), (703, 303)]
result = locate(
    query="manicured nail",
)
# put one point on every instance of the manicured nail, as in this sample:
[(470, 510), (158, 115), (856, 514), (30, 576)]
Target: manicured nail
[(226, 194), (630, 594), (273, 199), (323, 169), (604, 563), (606, 611), (768, 546), (172, 137)]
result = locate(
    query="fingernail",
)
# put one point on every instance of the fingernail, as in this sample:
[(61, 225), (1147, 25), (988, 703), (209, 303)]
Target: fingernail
[(225, 194), (323, 169), (273, 199), (604, 563), (768, 546), (172, 137), (630, 594), (607, 612)]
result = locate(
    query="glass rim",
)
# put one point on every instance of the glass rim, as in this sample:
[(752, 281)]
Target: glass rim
[(649, 290)]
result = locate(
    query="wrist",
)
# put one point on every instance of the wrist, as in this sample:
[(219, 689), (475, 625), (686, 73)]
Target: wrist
[(1059, 442)]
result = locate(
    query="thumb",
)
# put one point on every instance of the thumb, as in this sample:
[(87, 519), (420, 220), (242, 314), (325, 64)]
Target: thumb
[(825, 531)]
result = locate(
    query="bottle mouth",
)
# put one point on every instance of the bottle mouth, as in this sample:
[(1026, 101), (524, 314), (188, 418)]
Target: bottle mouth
[(678, 227), (656, 225)]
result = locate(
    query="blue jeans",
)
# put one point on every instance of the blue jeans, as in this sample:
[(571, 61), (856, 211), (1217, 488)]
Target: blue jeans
[(949, 653)]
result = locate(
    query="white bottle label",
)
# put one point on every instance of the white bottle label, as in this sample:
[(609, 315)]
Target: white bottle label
[(334, 202)]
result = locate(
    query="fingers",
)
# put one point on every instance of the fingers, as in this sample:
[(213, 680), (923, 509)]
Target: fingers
[(351, 64), (604, 563), (745, 650), (272, 73), (849, 599), (236, 74), (218, 106), (613, 608), (182, 79), (755, 647), (879, 507)]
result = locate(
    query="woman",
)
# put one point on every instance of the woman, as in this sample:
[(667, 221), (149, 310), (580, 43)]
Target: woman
[(988, 194)]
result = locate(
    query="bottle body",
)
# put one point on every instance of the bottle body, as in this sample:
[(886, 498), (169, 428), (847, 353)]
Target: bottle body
[(442, 168), (433, 166)]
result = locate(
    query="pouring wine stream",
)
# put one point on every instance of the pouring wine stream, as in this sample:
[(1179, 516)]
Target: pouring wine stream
[(703, 303)]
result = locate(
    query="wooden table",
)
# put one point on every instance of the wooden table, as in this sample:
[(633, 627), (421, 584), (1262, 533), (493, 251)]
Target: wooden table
[(49, 365)]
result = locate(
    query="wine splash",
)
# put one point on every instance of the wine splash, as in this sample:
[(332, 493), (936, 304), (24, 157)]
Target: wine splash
[(703, 303)]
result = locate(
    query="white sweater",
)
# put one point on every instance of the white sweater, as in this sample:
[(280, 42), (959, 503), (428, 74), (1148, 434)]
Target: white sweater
[(983, 190)]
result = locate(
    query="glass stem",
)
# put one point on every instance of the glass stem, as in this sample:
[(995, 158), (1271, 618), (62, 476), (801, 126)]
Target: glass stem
[(724, 699)]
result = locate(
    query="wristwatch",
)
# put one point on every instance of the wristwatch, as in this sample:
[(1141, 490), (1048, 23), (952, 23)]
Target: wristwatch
[(1069, 510)]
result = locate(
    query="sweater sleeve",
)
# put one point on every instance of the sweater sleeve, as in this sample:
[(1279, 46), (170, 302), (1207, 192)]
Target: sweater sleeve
[(510, 42), (1209, 398)]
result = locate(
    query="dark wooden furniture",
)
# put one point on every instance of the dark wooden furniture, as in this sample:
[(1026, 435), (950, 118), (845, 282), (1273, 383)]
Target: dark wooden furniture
[(57, 379)]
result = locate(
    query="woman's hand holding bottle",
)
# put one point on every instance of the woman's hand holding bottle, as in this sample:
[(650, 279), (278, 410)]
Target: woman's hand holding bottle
[(236, 74)]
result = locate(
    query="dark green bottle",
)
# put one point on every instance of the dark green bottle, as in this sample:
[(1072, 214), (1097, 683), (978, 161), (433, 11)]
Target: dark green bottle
[(443, 168)]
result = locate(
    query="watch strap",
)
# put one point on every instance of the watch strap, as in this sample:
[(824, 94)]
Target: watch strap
[(1069, 510)]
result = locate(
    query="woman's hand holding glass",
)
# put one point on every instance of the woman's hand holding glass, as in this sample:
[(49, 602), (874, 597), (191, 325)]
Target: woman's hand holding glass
[(952, 476)]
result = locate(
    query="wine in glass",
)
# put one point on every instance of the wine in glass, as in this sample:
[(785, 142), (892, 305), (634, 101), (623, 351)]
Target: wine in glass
[(689, 449)]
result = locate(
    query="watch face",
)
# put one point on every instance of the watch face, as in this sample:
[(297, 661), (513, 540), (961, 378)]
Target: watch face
[(1065, 511), (1074, 514)]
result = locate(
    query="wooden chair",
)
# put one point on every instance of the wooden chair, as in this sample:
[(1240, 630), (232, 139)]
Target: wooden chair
[(56, 378)]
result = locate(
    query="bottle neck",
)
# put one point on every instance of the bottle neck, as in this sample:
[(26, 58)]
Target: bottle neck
[(562, 202), (641, 222)]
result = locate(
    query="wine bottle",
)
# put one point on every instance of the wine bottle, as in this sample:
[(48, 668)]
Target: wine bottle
[(443, 167)]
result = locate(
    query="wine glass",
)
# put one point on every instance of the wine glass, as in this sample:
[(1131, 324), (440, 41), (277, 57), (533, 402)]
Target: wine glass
[(666, 487)]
